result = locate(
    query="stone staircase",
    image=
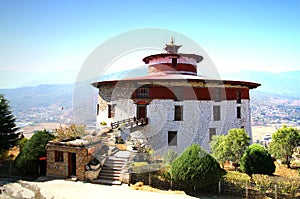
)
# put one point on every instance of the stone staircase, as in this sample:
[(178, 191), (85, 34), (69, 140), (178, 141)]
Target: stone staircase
[(112, 169)]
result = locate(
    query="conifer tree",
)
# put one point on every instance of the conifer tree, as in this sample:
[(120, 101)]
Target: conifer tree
[(8, 130)]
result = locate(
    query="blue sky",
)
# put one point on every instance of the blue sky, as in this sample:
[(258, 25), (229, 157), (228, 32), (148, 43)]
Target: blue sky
[(55, 37)]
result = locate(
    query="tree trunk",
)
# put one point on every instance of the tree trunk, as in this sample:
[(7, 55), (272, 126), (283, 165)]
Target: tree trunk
[(287, 159)]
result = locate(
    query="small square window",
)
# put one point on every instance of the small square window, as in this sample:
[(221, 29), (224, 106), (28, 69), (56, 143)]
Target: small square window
[(217, 113), (178, 113), (59, 156), (172, 138)]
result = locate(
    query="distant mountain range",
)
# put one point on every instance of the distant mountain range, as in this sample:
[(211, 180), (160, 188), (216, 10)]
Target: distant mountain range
[(284, 85)]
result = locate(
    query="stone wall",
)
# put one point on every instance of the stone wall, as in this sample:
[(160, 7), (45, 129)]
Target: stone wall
[(197, 117)]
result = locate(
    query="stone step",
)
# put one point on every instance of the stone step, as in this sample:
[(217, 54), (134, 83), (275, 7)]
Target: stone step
[(113, 158), (109, 177), (109, 161), (118, 174), (113, 166), (107, 182), (112, 169), (109, 171)]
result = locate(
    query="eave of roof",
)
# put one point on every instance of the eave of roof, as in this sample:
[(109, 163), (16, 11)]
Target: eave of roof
[(177, 77)]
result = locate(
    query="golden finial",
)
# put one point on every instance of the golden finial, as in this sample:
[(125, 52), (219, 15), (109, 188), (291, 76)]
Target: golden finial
[(172, 41)]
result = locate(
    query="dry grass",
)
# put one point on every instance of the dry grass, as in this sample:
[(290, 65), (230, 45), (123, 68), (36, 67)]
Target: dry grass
[(142, 187), (283, 171)]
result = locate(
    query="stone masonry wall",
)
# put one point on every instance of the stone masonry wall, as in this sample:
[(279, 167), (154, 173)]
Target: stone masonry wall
[(197, 117), (61, 169)]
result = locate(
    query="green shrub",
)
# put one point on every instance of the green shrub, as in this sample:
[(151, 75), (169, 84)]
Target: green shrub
[(196, 168), (257, 160), (28, 160)]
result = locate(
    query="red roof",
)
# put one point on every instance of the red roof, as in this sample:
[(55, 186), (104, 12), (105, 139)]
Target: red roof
[(177, 77)]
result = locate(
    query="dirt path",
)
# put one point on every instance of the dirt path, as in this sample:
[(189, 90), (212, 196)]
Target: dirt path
[(59, 189)]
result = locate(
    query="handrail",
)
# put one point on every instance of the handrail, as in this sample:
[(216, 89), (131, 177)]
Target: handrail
[(130, 122)]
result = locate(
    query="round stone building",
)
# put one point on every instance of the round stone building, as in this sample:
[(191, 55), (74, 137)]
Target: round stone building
[(172, 107)]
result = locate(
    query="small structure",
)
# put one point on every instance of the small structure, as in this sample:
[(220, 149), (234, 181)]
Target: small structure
[(71, 158)]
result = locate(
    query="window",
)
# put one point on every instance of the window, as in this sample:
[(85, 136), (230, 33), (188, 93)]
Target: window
[(98, 109), (111, 111), (174, 62), (238, 112), (59, 156), (143, 92), (178, 113), (172, 138), (178, 94), (217, 95), (216, 113), (239, 97), (212, 132)]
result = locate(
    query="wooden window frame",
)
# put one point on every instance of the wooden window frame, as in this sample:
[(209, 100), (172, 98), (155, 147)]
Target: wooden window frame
[(143, 92), (217, 113), (238, 112), (59, 156), (111, 110), (178, 113)]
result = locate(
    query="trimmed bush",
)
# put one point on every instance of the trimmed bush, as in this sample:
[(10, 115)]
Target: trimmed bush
[(28, 160), (257, 160), (196, 168)]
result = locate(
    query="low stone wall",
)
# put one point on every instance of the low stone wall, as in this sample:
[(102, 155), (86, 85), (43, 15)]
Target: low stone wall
[(92, 174)]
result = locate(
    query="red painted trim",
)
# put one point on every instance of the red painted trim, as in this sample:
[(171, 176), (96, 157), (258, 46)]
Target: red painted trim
[(168, 67), (189, 93)]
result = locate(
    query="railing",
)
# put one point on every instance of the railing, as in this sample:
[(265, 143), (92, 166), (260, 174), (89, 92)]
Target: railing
[(130, 122)]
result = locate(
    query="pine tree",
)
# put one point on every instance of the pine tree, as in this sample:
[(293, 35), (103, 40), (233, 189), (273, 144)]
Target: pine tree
[(8, 130)]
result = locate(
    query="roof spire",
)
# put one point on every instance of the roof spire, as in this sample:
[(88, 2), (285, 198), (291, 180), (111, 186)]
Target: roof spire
[(172, 47)]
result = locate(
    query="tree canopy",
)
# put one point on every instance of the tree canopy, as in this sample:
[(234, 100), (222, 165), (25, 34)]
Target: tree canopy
[(257, 160), (196, 168), (283, 143), (33, 149), (231, 146), (8, 130)]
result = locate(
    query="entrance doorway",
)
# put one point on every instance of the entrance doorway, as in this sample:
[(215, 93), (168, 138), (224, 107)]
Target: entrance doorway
[(141, 111), (72, 164)]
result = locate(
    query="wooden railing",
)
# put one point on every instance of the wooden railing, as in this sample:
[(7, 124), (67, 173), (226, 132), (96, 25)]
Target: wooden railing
[(130, 122)]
